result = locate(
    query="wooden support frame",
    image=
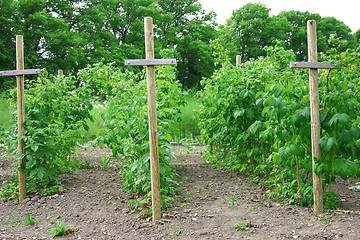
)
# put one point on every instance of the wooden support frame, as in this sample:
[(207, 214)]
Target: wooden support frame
[(150, 62), (313, 66), (19, 73)]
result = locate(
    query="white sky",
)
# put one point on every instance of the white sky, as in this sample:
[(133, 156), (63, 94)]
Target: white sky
[(347, 11)]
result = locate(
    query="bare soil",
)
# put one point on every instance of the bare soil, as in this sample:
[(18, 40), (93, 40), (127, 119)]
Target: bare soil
[(95, 207)]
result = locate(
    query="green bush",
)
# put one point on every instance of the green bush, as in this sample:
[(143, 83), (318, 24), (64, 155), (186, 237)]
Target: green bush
[(126, 130), (55, 123), (256, 119)]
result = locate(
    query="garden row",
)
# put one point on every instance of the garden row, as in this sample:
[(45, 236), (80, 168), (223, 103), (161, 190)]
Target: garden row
[(254, 118)]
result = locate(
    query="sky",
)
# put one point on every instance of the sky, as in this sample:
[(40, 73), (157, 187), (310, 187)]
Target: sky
[(347, 11)]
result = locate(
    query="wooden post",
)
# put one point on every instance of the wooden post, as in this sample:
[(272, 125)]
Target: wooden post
[(150, 63), (21, 115), (313, 66), (238, 60), (315, 116), (153, 137), (60, 73), (19, 73)]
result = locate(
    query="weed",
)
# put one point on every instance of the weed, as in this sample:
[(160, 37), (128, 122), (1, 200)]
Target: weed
[(101, 183), (242, 226), (48, 191), (324, 218), (105, 161), (59, 230), (14, 221), (233, 199), (29, 220), (178, 232)]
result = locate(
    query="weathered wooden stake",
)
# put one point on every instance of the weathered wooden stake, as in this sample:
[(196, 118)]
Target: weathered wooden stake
[(315, 116), (153, 137), (313, 66), (150, 63), (19, 73), (238, 60), (21, 115)]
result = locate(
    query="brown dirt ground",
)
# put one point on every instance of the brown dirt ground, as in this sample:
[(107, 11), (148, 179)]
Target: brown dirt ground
[(94, 206)]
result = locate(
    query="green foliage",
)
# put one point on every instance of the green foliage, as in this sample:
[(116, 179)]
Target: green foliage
[(29, 220), (14, 221), (241, 226), (250, 29), (55, 123), (233, 199), (126, 127), (5, 117), (59, 230), (185, 121), (256, 119)]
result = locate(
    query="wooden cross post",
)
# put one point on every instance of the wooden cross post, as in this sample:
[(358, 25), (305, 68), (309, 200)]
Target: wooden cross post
[(313, 66), (19, 73), (150, 63), (238, 60)]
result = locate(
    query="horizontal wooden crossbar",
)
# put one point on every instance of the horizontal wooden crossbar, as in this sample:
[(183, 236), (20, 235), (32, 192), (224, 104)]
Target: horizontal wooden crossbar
[(316, 65), (19, 72), (149, 62)]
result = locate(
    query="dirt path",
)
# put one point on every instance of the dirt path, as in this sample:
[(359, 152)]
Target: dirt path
[(96, 208)]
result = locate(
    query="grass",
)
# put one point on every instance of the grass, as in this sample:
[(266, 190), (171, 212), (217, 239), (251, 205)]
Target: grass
[(188, 126), (5, 110), (59, 230)]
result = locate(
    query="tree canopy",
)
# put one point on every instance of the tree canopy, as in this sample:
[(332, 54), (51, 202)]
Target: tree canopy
[(70, 34)]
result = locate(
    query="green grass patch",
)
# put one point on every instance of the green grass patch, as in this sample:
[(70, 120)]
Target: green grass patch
[(187, 125), (5, 110)]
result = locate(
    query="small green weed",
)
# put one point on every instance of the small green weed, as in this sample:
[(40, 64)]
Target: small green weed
[(29, 220), (233, 199), (178, 232), (101, 183), (59, 230), (242, 226), (105, 161), (14, 221), (324, 218)]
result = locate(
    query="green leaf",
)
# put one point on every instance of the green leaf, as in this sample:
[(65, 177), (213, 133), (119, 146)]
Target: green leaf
[(239, 113), (168, 137), (339, 118)]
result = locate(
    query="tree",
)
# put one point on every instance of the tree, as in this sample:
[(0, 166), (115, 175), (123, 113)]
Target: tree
[(183, 25), (250, 29), (246, 27), (8, 20), (357, 37)]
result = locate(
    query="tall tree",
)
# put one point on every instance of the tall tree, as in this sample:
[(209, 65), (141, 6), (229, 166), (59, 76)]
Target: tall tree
[(113, 29), (183, 25), (246, 28), (8, 23)]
